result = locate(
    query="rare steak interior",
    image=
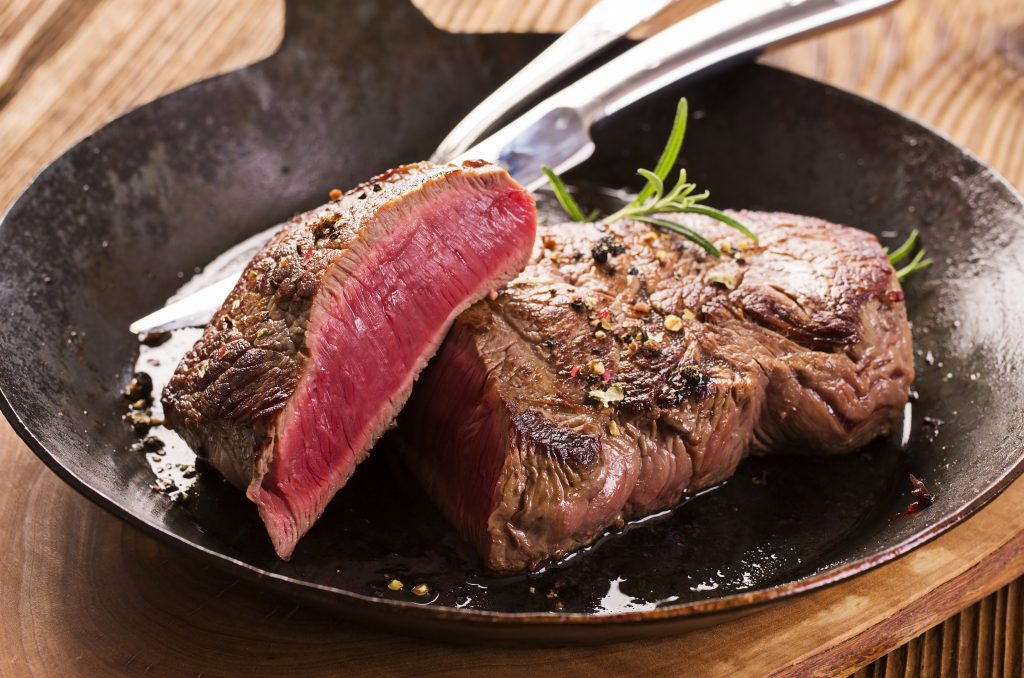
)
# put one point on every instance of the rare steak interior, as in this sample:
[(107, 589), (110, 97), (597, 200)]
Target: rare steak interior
[(314, 352)]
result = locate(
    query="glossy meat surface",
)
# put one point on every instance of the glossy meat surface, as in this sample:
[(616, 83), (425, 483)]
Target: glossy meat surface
[(799, 344)]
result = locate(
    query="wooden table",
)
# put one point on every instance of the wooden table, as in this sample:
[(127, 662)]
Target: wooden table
[(83, 594)]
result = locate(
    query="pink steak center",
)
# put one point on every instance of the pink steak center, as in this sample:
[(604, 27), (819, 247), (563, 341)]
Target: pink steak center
[(379, 316)]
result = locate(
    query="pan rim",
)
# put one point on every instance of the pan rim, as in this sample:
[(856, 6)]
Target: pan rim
[(666, 613)]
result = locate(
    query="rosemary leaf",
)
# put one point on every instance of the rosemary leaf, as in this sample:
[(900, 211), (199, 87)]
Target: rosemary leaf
[(905, 249), (653, 200), (684, 231), (562, 193), (916, 264), (668, 156), (723, 217), (654, 182), (682, 189)]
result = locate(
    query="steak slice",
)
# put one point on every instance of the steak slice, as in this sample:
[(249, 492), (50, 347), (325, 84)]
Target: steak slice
[(314, 352), (797, 345)]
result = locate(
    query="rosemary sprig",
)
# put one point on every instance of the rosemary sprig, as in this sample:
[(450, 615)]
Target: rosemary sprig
[(654, 200), (671, 151), (686, 232), (906, 248), (917, 263), (562, 193)]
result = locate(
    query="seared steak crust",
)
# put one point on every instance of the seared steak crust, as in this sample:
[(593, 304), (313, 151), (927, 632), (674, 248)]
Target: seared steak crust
[(335, 277), (248, 360), (798, 344)]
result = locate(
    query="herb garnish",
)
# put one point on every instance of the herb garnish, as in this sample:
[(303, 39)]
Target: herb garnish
[(653, 198), (919, 262), (566, 200)]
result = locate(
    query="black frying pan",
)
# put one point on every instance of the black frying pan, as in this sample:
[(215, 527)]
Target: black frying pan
[(108, 231)]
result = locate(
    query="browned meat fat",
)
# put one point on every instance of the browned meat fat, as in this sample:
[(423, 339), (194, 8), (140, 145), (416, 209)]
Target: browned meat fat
[(625, 369)]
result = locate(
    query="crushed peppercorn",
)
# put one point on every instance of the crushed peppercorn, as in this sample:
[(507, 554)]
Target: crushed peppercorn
[(152, 444), (606, 247), (154, 338), (687, 381), (140, 387), (140, 422)]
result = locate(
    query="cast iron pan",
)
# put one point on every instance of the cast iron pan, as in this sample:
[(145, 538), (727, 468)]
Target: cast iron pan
[(111, 229)]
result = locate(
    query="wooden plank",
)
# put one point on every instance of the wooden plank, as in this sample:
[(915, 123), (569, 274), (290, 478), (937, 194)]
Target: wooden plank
[(87, 595)]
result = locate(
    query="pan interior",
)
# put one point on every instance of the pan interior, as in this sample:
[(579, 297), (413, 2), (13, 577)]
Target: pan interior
[(115, 226)]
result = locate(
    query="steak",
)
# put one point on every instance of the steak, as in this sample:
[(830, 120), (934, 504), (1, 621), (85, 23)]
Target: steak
[(315, 350), (625, 369)]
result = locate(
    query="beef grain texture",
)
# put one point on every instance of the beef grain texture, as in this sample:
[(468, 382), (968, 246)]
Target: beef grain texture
[(799, 344), (315, 350)]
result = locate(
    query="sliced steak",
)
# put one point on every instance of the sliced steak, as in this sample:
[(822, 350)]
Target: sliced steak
[(317, 347), (797, 345)]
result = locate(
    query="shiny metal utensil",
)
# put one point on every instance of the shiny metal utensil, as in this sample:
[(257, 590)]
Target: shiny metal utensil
[(556, 132), (603, 24)]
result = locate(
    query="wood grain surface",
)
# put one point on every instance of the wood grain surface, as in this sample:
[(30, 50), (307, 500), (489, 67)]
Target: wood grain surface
[(83, 594)]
